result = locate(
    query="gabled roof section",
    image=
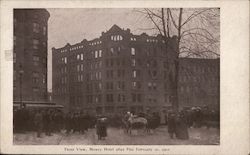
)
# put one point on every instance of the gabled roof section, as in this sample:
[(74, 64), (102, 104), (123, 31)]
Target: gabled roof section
[(115, 28), (67, 45)]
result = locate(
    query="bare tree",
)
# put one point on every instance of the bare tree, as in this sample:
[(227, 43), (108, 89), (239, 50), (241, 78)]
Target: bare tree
[(195, 33)]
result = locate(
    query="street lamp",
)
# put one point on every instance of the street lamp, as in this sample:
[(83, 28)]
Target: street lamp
[(20, 83)]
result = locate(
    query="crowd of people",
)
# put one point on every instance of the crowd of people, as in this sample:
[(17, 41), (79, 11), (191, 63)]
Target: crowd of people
[(51, 120), (179, 122), (177, 126), (54, 120)]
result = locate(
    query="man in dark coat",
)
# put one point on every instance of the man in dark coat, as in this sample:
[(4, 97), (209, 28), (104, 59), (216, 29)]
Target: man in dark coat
[(181, 127), (172, 125), (38, 122), (47, 122), (68, 122), (101, 128), (82, 123)]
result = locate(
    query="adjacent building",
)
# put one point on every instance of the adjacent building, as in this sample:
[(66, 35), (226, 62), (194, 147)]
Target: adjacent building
[(199, 83), (120, 71), (30, 55)]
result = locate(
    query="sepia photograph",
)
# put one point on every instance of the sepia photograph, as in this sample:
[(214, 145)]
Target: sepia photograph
[(116, 76), (124, 77)]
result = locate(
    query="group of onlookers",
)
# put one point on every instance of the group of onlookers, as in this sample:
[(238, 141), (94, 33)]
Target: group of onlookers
[(179, 122), (51, 120), (78, 122), (54, 120)]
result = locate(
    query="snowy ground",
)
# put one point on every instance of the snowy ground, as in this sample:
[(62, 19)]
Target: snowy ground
[(201, 136)]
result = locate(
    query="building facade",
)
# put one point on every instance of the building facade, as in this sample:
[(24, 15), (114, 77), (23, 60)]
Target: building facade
[(199, 83), (30, 55), (116, 72)]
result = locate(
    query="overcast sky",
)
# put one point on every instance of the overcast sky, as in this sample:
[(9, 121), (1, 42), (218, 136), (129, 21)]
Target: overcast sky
[(74, 25)]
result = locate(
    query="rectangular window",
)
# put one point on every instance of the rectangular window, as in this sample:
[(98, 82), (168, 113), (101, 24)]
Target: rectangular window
[(44, 43), (78, 78), (14, 57), (118, 62), (100, 53), (182, 89), (100, 98), (14, 40), (134, 74), (154, 73), (118, 50), (99, 86), (96, 75), (123, 85), (36, 60), (44, 30), (165, 75), (118, 73), (100, 64), (35, 89), (100, 75), (133, 85), (96, 54), (111, 62), (14, 75), (154, 63), (133, 97), (111, 73), (154, 86), (138, 85), (111, 85), (35, 27), (132, 51), (123, 73), (112, 51), (119, 85), (149, 85), (15, 22), (123, 98), (133, 62), (165, 86), (81, 78), (78, 68), (35, 77), (139, 97), (35, 43), (65, 60), (44, 79), (119, 98), (109, 98)]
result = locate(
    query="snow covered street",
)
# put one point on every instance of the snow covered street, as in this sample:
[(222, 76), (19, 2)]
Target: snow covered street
[(198, 136)]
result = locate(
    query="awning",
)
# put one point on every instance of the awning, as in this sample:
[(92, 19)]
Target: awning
[(34, 102), (40, 105)]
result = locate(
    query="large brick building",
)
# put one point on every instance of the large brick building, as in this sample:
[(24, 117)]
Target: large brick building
[(120, 71), (30, 55)]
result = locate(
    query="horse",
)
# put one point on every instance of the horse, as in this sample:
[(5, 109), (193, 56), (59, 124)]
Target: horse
[(135, 122)]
